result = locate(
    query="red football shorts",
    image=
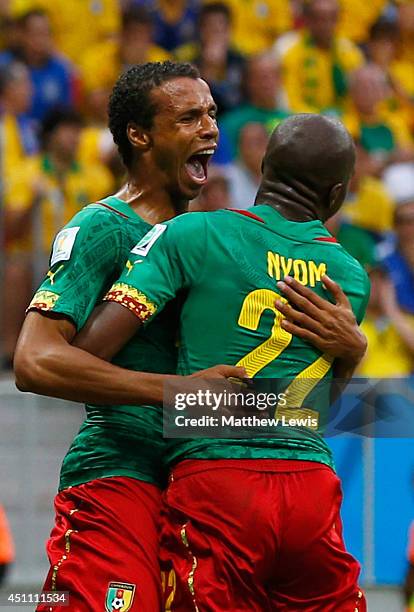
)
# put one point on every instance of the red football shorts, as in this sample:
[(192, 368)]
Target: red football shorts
[(104, 547), (256, 536)]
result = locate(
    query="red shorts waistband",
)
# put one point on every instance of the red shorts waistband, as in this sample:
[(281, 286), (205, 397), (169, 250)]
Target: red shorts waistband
[(192, 466)]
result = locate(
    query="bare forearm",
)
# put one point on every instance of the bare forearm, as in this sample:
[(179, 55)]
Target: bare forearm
[(74, 374), (46, 363)]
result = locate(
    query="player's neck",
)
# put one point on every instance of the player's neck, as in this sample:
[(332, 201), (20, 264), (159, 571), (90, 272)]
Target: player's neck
[(298, 204), (151, 204)]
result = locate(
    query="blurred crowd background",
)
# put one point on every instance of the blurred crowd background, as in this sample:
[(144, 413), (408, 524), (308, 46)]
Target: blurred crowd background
[(263, 59)]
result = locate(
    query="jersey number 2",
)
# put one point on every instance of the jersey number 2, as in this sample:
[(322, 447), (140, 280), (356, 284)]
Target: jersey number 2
[(254, 305)]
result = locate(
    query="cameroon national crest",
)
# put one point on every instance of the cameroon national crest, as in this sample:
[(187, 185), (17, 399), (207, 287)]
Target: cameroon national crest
[(119, 596)]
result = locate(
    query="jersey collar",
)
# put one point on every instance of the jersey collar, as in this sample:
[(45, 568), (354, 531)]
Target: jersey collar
[(308, 231), (119, 206)]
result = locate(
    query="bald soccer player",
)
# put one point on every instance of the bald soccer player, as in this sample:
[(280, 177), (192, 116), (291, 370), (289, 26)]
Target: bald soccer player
[(252, 524)]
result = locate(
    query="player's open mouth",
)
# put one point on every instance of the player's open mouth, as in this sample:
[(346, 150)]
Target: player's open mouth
[(197, 165)]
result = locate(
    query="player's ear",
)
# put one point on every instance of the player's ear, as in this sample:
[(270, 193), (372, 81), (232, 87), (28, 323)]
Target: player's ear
[(138, 137), (336, 197)]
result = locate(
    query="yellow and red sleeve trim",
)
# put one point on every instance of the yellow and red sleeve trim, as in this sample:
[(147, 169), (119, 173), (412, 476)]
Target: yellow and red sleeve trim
[(43, 300), (131, 298)]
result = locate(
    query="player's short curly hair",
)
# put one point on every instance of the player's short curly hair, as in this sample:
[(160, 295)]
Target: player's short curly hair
[(131, 101)]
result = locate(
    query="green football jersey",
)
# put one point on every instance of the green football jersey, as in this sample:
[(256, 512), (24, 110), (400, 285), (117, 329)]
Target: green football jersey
[(228, 262), (87, 256)]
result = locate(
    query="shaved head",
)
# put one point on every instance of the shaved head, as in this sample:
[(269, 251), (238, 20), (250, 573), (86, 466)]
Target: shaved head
[(313, 156), (311, 148)]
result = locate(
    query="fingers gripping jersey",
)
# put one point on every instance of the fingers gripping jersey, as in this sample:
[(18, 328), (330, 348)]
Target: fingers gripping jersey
[(87, 256), (229, 264)]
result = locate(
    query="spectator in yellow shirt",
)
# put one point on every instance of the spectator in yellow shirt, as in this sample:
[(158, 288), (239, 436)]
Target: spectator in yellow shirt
[(357, 17), (385, 136), (389, 325), (76, 24), (54, 184), (96, 144), (382, 48), (389, 331), (42, 194), (316, 65), (262, 85), (368, 205), (367, 215), (17, 134), (104, 62), (257, 23), (132, 46)]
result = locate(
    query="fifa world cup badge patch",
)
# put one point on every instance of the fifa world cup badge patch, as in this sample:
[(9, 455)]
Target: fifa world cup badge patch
[(63, 245), (119, 596), (144, 245)]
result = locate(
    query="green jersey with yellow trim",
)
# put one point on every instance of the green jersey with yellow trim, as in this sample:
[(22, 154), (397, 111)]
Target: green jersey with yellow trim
[(228, 264), (87, 256)]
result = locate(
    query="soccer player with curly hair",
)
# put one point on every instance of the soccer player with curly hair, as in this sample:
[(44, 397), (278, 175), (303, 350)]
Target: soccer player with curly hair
[(104, 546)]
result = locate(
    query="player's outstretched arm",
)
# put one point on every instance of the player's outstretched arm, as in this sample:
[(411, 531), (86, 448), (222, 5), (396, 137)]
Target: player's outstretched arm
[(111, 326), (48, 364), (330, 327)]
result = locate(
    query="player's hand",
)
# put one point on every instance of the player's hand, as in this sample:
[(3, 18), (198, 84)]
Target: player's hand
[(221, 371), (332, 328), (220, 378)]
